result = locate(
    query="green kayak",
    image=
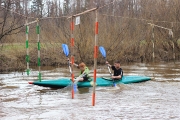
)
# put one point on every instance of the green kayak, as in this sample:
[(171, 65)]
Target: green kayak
[(63, 82)]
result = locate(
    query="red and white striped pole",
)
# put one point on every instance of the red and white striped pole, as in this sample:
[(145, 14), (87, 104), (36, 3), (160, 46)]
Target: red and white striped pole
[(95, 57), (72, 55)]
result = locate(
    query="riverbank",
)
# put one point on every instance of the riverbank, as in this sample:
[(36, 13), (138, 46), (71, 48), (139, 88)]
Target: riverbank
[(13, 63), (13, 56)]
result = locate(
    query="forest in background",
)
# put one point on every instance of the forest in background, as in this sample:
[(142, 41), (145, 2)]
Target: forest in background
[(124, 31)]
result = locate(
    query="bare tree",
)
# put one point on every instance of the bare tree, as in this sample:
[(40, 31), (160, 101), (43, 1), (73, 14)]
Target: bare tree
[(10, 23)]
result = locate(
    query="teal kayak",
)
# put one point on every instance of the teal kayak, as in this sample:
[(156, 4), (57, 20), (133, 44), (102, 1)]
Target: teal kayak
[(63, 82)]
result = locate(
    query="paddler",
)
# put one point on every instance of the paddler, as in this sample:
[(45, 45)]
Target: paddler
[(84, 72), (118, 72)]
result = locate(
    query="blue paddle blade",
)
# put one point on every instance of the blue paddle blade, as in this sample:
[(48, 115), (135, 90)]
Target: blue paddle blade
[(75, 88), (114, 85), (65, 49), (103, 51)]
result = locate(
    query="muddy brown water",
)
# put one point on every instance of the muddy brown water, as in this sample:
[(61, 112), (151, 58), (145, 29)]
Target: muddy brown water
[(157, 99)]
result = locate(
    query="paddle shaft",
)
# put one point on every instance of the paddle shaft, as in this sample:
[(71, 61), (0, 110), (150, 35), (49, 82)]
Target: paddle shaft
[(70, 70), (80, 76), (103, 52), (66, 52), (110, 72)]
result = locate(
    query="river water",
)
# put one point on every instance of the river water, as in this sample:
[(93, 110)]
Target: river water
[(157, 99)]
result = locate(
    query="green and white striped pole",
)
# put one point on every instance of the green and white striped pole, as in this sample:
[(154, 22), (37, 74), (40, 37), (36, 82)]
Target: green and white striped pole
[(27, 47), (38, 46)]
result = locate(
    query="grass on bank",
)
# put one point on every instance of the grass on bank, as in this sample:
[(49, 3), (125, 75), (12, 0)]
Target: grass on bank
[(8, 48)]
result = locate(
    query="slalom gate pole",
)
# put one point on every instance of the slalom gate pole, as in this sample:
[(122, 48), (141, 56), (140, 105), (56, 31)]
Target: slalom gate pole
[(95, 57), (72, 55), (38, 46), (95, 48), (27, 47)]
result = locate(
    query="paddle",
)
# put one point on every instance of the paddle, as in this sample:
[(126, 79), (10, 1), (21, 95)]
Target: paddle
[(66, 52), (79, 77), (103, 52)]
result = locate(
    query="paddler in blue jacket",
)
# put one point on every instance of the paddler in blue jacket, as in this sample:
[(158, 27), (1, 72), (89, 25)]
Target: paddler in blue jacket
[(118, 72)]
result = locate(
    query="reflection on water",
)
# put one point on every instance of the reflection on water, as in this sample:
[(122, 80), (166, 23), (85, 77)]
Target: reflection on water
[(83, 90), (155, 99)]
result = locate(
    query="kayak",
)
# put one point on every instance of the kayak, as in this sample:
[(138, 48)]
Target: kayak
[(100, 81)]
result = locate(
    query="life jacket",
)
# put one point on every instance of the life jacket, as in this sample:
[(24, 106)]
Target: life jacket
[(85, 72)]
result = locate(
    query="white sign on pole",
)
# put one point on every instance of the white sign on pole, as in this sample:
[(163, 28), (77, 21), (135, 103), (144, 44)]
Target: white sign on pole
[(77, 20)]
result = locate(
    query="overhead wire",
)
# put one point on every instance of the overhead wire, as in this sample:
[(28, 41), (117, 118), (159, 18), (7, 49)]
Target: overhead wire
[(139, 19), (53, 17)]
